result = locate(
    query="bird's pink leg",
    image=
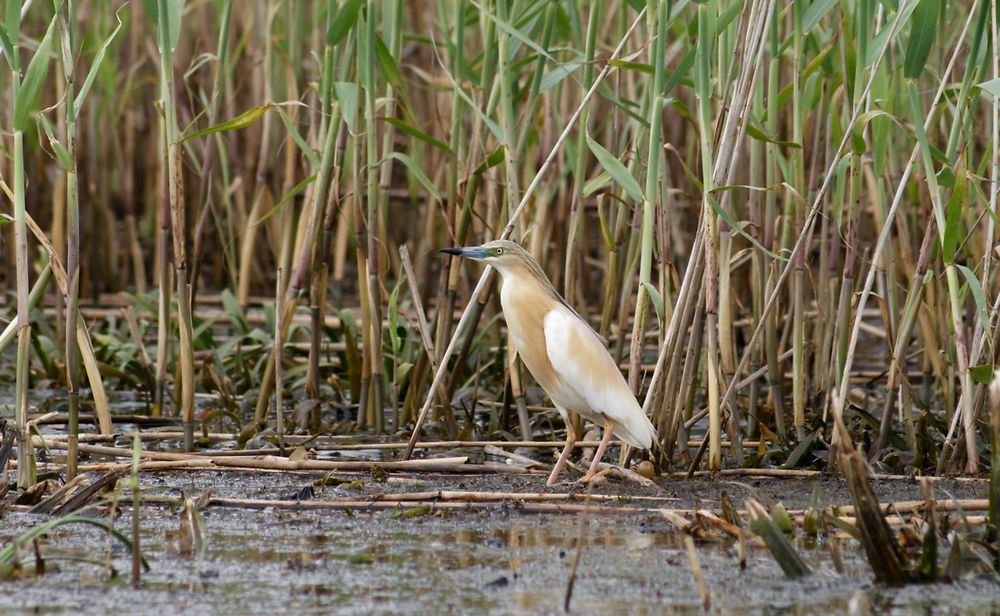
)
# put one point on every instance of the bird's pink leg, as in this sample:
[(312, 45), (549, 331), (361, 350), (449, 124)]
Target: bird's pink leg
[(605, 439), (570, 443)]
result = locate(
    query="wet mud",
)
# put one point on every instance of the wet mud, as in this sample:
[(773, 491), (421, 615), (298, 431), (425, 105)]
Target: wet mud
[(497, 559)]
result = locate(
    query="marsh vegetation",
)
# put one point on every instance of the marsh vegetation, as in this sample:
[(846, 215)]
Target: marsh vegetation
[(219, 224)]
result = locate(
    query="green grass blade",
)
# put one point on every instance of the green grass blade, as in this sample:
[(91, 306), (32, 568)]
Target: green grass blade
[(418, 134), (979, 297), (922, 32), (953, 228), (345, 19), (618, 172), (514, 32), (347, 96), (96, 66), (390, 71), (417, 172), (285, 199), (34, 79), (297, 137), (6, 47), (816, 11), (247, 118)]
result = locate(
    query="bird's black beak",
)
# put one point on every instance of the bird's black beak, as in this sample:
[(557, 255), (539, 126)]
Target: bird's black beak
[(472, 252)]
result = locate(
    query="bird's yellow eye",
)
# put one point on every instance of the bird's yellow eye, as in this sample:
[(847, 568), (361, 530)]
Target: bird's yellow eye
[(498, 251)]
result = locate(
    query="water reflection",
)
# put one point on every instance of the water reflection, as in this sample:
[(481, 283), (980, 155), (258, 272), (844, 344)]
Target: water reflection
[(486, 562)]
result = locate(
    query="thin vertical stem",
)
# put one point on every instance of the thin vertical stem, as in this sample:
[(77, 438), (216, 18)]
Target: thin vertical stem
[(72, 246), (175, 191), (658, 26)]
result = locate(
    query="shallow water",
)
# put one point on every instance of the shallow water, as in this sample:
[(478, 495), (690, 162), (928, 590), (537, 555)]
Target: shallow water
[(496, 562)]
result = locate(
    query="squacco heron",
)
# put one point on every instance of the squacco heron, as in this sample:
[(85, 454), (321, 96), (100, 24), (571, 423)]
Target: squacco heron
[(562, 352)]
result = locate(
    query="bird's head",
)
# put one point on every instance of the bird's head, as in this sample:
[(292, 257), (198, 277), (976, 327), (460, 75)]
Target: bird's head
[(504, 255), (512, 261)]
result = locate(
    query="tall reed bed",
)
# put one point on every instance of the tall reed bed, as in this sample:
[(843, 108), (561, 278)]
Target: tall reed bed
[(777, 214)]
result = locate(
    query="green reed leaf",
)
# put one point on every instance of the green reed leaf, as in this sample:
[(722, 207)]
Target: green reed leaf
[(34, 79), (618, 172)]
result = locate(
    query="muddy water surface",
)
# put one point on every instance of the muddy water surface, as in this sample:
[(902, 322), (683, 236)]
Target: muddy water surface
[(496, 561)]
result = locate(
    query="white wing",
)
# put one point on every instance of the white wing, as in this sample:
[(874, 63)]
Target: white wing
[(580, 359)]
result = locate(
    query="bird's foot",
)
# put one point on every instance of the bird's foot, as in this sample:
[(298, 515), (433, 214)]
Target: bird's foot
[(589, 477), (553, 478), (565, 483)]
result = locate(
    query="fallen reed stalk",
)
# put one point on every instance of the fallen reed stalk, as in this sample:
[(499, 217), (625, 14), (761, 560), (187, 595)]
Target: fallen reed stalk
[(404, 505), (448, 465)]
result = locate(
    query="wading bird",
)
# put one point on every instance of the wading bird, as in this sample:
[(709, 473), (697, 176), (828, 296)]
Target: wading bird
[(562, 352)]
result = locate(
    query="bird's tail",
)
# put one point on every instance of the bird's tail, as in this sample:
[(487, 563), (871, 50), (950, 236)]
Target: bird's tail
[(637, 432)]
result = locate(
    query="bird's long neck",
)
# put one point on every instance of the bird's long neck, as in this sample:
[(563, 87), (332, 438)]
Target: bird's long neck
[(529, 279), (528, 274)]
